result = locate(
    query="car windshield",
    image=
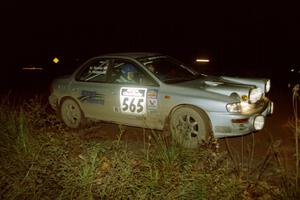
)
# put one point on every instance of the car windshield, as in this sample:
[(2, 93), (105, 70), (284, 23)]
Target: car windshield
[(169, 70)]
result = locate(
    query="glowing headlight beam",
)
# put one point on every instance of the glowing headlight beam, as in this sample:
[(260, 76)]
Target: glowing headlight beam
[(202, 60), (32, 68), (255, 95), (268, 86), (233, 107)]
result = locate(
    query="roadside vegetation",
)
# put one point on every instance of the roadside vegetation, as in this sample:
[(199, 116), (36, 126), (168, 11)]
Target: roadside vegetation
[(41, 159)]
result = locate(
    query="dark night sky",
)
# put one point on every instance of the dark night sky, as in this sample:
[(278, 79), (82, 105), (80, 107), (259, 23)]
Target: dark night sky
[(234, 36)]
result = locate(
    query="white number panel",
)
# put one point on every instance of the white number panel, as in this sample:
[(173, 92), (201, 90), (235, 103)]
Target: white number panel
[(133, 100)]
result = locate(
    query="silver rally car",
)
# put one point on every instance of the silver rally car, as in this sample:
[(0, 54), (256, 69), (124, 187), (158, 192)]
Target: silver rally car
[(157, 91)]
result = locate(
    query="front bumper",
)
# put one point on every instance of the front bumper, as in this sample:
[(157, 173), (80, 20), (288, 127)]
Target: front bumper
[(229, 124)]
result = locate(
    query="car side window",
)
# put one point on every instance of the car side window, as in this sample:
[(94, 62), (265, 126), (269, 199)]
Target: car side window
[(126, 72), (95, 71)]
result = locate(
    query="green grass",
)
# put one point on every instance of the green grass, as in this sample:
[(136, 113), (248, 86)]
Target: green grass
[(41, 159)]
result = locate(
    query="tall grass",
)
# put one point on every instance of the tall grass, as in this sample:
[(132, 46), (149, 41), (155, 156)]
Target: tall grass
[(40, 159), (265, 173), (295, 109)]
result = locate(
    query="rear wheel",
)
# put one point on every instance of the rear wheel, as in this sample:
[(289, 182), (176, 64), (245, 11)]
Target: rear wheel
[(189, 126), (71, 113)]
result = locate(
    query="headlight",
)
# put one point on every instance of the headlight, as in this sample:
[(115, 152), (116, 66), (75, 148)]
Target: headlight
[(233, 107), (259, 122), (268, 86), (255, 95)]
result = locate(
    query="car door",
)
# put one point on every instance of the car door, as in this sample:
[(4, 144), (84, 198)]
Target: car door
[(134, 102), (92, 89)]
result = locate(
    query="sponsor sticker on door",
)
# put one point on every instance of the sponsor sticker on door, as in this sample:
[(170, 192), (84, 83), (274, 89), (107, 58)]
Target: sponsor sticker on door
[(152, 100)]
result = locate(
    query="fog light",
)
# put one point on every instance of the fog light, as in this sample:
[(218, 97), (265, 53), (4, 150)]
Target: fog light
[(268, 86), (259, 122), (271, 108), (255, 95)]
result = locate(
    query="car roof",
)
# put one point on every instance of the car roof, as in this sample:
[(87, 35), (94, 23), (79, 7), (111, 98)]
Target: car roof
[(134, 55)]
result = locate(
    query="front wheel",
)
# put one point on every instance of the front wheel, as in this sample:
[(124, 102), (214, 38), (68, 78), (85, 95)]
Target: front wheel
[(189, 126), (71, 113)]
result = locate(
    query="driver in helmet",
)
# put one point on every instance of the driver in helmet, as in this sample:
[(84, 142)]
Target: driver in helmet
[(128, 74)]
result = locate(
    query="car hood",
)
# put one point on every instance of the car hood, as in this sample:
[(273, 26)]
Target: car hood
[(221, 85)]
